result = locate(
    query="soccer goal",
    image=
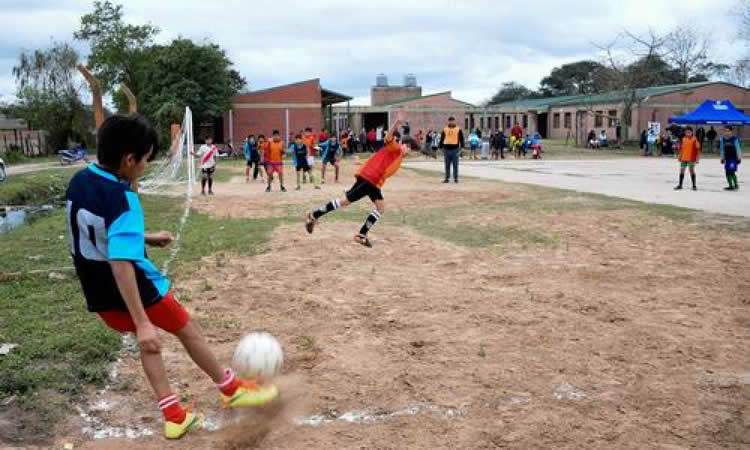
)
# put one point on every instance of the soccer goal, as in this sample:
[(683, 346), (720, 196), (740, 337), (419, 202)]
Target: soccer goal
[(177, 167)]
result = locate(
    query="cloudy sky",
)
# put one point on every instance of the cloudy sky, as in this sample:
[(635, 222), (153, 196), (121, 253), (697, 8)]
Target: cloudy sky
[(469, 47)]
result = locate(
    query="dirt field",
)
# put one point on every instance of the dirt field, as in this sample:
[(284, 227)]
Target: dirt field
[(488, 315)]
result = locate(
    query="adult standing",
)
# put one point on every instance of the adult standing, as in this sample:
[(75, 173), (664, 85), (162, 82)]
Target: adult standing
[(451, 141), (371, 138), (700, 134), (711, 136)]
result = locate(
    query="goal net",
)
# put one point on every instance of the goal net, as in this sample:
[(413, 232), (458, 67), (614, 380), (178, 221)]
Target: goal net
[(177, 168)]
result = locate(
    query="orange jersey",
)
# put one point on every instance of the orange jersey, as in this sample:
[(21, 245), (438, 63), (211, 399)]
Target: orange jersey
[(309, 142), (382, 165), (690, 149), (275, 152)]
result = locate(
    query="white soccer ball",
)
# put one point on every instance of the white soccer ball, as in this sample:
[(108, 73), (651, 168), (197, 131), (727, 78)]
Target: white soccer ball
[(258, 355)]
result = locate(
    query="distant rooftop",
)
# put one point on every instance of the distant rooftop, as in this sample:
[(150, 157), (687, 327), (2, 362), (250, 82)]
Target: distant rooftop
[(607, 97)]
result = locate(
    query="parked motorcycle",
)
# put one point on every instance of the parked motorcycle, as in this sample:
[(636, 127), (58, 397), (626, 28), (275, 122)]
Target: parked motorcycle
[(72, 156), (3, 174)]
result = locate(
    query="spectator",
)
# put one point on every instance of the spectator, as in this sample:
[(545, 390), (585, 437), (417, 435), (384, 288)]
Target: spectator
[(451, 141), (594, 143), (603, 138), (711, 136), (517, 131), (371, 139), (700, 134), (643, 143)]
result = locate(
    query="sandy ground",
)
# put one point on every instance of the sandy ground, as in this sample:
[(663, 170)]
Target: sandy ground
[(612, 338), (27, 168), (644, 179)]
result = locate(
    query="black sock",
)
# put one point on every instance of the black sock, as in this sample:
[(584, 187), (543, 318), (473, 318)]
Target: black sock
[(203, 184), (370, 222), (682, 177), (210, 184), (328, 207), (692, 177)]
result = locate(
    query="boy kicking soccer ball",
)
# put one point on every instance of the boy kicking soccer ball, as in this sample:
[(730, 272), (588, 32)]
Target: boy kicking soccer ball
[(107, 241), (370, 178)]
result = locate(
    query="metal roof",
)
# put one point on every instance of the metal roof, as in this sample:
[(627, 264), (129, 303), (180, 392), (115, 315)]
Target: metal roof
[(419, 97), (607, 97)]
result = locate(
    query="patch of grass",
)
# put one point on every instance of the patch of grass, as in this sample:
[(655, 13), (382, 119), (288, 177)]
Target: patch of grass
[(62, 347), (36, 188)]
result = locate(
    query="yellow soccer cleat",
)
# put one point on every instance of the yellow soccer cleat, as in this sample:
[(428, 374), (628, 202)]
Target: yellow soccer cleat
[(250, 394), (177, 430)]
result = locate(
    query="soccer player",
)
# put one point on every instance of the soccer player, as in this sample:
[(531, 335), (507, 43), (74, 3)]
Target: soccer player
[(690, 151), (300, 154), (730, 154), (331, 149), (275, 160), (207, 153), (107, 241), (308, 138), (369, 180), (252, 156)]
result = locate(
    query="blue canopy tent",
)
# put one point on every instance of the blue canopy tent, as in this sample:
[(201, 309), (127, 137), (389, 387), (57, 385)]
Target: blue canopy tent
[(713, 112)]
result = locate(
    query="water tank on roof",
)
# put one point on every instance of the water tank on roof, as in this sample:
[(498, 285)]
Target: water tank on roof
[(381, 80), (410, 80)]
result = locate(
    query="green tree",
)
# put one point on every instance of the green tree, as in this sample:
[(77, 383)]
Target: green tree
[(511, 91), (118, 49), (184, 73), (578, 78), (49, 95)]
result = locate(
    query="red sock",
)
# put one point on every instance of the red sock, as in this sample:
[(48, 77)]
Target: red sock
[(171, 409), (229, 384)]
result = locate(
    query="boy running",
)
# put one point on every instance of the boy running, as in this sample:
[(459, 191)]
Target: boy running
[(300, 154), (690, 151), (331, 149), (730, 154), (207, 154), (275, 160), (107, 243), (370, 178)]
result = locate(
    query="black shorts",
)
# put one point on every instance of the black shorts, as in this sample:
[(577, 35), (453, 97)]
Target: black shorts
[(210, 171), (330, 160), (302, 164), (252, 162), (363, 188)]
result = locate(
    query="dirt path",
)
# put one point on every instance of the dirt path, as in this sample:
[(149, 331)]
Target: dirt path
[(27, 168), (607, 336)]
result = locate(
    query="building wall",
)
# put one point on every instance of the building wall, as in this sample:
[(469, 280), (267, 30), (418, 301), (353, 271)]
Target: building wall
[(262, 112), (381, 95)]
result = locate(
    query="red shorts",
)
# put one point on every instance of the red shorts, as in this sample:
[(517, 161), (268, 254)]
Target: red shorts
[(167, 314), (272, 168)]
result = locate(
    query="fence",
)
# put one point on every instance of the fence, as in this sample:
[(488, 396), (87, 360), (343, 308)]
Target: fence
[(30, 142)]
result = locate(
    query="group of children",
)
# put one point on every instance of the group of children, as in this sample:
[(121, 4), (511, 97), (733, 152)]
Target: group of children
[(265, 158), (730, 156), (107, 241)]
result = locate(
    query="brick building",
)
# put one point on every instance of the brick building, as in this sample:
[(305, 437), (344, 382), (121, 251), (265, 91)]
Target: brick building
[(572, 117), (288, 108)]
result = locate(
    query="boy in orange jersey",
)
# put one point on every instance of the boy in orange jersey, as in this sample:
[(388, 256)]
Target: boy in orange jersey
[(690, 151), (275, 160), (370, 178)]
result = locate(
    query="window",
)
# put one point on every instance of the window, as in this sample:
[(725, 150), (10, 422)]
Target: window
[(472, 124), (481, 123), (497, 122), (568, 120), (507, 122), (466, 123), (525, 121), (613, 118), (598, 119), (556, 120)]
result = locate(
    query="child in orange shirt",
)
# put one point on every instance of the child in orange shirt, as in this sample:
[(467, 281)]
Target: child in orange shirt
[(275, 160), (690, 150), (370, 179)]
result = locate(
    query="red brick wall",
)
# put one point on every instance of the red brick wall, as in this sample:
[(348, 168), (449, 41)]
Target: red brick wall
[(434, 116), (265, 120), (382, 95)]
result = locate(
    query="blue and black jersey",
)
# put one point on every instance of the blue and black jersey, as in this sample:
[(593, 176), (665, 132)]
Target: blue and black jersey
[(105, 223)]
